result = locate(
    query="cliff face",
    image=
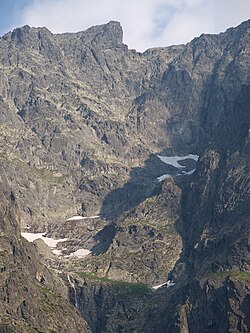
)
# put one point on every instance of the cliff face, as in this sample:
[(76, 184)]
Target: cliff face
[(215, 205), (73, 124), (82, 119), (82, 116), (146, 244), (212, 276), (32, 298)]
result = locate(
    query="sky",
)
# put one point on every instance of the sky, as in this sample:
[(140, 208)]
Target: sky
[(146, 23)]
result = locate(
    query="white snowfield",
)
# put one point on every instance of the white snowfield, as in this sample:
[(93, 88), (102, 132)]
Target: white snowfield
[(173, 160), (57, 252), (80, 253), (78, 217), (161, 178), (52, 243), (187, 172), (169, 283)]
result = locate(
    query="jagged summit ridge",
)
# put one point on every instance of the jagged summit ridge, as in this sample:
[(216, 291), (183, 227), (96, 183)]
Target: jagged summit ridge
[(105, 36), (110, 34)]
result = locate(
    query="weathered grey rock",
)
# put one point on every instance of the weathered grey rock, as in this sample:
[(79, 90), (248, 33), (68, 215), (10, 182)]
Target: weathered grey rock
[(79, 111), (146, 245), (82, 118)]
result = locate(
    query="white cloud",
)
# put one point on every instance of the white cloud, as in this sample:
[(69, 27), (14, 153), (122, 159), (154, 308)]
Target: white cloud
[(146, 23)]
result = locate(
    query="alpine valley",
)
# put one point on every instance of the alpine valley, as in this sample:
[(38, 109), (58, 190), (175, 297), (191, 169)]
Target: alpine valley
[(130, 173)]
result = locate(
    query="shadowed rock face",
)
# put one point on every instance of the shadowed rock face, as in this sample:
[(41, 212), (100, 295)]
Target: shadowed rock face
[(212, 276), (82, 118)]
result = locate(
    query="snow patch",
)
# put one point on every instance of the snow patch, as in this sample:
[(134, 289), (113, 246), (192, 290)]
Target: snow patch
[(161, 178), (168, 284), (52, 243), (173, 160), (159, 286), (192, 157), (188, 172), (183, 173), (57, 252), (80, 253), (78, 217)]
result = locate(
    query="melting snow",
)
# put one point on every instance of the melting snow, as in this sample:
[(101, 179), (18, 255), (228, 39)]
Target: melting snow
[(173, 160), (188, 172), (161, 178), (52, 243), (57, 252), (80, 253), (78, 217), (169, 283), (49, 241)]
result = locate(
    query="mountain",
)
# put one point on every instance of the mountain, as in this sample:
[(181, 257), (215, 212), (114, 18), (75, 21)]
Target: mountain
[(153, 150), (70, 108)]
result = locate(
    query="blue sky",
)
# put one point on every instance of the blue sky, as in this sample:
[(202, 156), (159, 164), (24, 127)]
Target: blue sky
[(146, 23), (10, 10)]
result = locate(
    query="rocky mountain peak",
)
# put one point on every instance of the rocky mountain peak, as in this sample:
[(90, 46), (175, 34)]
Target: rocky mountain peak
[(105, 36), (26, 35)]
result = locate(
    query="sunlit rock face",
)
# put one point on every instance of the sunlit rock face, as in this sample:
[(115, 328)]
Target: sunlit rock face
[(83, 116)]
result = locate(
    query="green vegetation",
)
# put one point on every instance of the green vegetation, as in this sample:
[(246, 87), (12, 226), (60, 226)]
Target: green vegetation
[(3, 156), (128, 287), (46, 290), (2, 252), (244, 276), (37, 330), (93, 277), (134, 288)]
